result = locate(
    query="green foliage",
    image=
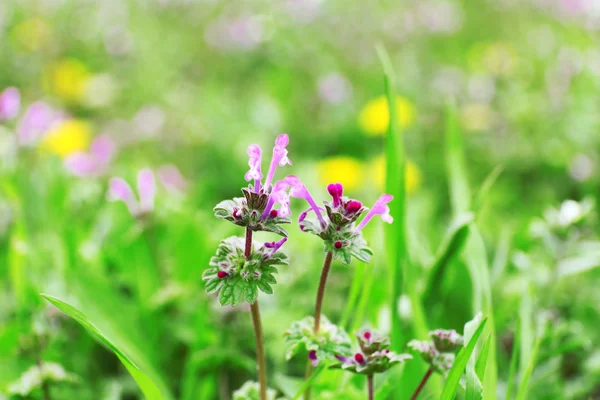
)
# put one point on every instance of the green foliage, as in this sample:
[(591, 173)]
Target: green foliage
[(244, 277), (331, 340)]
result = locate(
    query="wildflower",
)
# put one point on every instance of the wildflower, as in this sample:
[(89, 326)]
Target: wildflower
[(234, 279), (92, 163), (37, 121), (439, 351), (374, 357), (119, 190), (346, 170), (337, 226), (412, 174), (171, 178), (68, 79), (10, 103), (329, 341), (374, 118), (256, 210), (67, 137), (334, 88)]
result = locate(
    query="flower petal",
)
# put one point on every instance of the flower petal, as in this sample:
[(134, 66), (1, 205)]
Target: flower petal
[(119, 189), (171, 178), (10, 103), (147, 189)]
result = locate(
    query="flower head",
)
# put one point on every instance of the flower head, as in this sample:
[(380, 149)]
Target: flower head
[(171, 178), (96, 161), (374, 118), (119, 190), (10, 103), (254, 163), (68, 137), (280, 157), (37, 121), (298, 190), (380, 208)]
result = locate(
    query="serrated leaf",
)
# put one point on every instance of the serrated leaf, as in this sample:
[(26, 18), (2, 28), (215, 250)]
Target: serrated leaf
[(236, 296), (265, 287)]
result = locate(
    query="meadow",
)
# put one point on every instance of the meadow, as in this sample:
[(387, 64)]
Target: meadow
[(303, 199)]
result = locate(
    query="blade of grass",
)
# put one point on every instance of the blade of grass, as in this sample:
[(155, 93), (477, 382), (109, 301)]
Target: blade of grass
[(524, 385), (482, 194), (450, 248), (474, 253), (459, 365), (152, 387), (482, 359), (307, 383), (355, 290), (526, 329), (512, 370)]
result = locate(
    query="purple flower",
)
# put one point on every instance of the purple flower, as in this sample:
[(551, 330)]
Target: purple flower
[(336, 190), (254, 163), (274, 246), (279, 195), (171, 178), (298, 190), (380, 208), (280, 157), (119, 190), (10, 103), (38, 119), (95, 162), (312, 356)]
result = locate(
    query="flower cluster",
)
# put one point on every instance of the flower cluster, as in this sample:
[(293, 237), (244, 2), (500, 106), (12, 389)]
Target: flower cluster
[(256, 210), (439, 352), (251, 391), (374, 355), (329, 341), (235, 279), (339, 227)]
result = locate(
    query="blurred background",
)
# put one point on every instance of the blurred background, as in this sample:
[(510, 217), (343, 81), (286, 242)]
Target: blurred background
[(98, 89)]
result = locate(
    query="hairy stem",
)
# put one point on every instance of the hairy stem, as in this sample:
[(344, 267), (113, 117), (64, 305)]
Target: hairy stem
[(422, 384), (318, 309), (370, 385), (321, 291), (258, 333)]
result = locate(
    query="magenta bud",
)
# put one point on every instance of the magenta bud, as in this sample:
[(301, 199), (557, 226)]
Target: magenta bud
[(353, 207), (338, 245), (222, 274), (236, 213), (312, 356), (359, 358), (274, 213), (367, 335), (336, 190)]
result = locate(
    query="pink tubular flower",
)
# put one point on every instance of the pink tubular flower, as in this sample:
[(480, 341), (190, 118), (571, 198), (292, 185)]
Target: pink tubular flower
[(171, 178), (38, 119), (119, 190), (10, 103), (254, 163), (274, 246), (380, 208), (278, 195), (279, 157), (298, 190), (336, 190), (95, 162)]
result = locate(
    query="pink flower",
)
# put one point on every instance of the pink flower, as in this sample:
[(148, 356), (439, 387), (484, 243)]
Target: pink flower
[(279, 195), (298, 190), (119, 190), (380, 208), (274, 246), (38, 119), (10, 103), (254, 163), (96, 161), (336, 190), (171, 178)]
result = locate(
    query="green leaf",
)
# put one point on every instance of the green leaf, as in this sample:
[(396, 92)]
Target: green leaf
[(512, 371), (449, 250), (460, 363), (308, 382), (152, 388), (524, 385), (482, 359)]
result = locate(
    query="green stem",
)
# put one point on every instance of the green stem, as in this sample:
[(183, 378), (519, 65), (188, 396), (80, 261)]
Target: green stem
[(318, 311), (258, 333), (422, 384)]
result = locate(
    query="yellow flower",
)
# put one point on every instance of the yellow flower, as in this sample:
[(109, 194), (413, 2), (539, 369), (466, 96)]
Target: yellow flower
[(476, 117), (31, 34), (68, 136), (412, 174), (374, 118), (345, 170), (68, 79)]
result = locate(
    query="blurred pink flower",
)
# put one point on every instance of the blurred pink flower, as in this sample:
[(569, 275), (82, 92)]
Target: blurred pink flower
[(171, 178), (334, 88), (380, 208), (38, 120), (119, 190), (96, 161), (241, 33), (10, 103)]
